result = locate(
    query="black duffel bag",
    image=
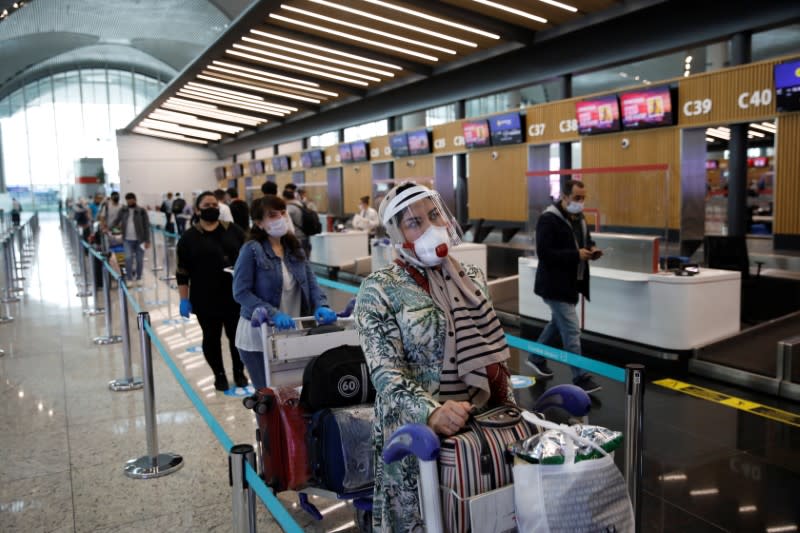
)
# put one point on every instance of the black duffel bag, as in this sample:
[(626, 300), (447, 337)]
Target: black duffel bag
[(338, 377)]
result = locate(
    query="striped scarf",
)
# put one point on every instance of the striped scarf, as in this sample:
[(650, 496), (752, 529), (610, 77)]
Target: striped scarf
[(474, 339)]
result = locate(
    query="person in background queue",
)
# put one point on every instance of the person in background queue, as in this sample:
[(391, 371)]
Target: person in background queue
[(273, 282), (224, 211), (204, 251), (135, 226), (239, 209), (564, 247)]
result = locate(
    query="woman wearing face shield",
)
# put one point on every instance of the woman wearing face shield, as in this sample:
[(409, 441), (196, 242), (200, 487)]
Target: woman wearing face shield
[(273, 282), (434, 346)]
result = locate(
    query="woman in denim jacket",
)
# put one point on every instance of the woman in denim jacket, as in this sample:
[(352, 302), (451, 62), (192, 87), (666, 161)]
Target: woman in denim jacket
[(272, 281)]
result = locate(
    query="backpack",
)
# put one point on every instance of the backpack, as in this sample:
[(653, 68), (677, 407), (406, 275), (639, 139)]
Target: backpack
[(177, 205), (338, 377), (310, 221)]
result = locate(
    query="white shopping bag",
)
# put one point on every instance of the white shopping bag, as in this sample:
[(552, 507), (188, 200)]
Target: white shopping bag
[(588, 496)]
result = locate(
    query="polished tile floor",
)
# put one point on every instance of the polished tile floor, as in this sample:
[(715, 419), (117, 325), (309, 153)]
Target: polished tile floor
[(64, 437)]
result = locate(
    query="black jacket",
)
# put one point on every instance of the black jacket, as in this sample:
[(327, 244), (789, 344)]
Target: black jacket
[(240, 214), (559, 260), (202, 256)]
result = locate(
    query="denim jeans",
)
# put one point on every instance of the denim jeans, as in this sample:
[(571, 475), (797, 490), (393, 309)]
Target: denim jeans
[(133, 250), (254, 362), (564, 321)]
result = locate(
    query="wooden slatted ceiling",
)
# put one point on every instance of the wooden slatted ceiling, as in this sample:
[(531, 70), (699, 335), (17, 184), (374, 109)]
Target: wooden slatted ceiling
[(311, 53), (424, 40), (553, 14)]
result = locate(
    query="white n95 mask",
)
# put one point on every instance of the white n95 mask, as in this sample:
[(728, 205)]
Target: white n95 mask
[(277, 228), (432, 246)]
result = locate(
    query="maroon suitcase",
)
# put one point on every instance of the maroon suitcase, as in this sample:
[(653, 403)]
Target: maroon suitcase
[(281, 438)]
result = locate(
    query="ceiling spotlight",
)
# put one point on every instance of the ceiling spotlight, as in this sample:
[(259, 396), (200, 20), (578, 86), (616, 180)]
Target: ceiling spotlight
[(688, 59), (686, 73)]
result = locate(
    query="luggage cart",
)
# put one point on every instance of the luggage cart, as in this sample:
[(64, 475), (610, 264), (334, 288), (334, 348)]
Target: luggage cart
[(286, 354)]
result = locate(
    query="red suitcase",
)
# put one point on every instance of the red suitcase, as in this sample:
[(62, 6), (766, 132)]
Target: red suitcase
[(281, 437)]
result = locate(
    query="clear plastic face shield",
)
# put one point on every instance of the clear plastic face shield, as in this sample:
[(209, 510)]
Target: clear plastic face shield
[(419, 225)]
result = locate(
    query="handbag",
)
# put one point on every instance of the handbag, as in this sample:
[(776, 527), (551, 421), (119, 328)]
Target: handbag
[(589, 495), (474, 462)]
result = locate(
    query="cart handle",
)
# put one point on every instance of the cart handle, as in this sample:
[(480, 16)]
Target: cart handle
[(412, 439)]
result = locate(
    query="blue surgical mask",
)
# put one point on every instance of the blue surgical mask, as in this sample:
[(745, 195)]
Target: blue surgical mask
[(575, 207)]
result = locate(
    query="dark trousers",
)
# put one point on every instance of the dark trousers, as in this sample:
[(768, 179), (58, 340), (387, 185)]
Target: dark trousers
[(212, 341)]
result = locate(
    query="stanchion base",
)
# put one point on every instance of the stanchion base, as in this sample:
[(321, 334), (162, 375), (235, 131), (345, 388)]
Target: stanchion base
[(18, 278), (16, 289), (94, 311), (102, 341), (167, 278), (83, 294), (6, 319), (9, 299), (147, 467), (121, 385), (156, 269)]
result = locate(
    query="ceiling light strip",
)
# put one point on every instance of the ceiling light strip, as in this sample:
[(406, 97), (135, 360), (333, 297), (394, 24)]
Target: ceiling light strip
[(306, 63), (397, 23), (318, 56), (353, 37), (164, 135), (241, 105), (256, 105), (175, 128), (224, 97), (272, 81), (189, 106), (297, 68), (265, 73), (202, 90), (756, 133), (512, 10), (325, 49), (238, 94), (243, 77), (762, 128), (367, 29), (566, 7), (191, 120), (432, 18), (264, 90)]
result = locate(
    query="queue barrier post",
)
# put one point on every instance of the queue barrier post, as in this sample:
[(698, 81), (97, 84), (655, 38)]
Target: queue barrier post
[(128, 382), (92, 286), (634, 442), (243, 498), (8, 296), (109, 337), (153, 464), (155, 268), (167, 275)]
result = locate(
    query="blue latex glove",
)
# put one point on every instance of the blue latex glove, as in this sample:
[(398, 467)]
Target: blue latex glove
[(283, 321), (258, 317), (185, 307), (324, 315)]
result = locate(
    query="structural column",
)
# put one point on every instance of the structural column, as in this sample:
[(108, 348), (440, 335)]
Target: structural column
[(565, 148), (737, 165)]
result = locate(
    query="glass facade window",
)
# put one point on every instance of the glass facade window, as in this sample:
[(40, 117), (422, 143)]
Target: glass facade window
[(50, 123), (494, 103), (324, 140), (440, 115), (366, 131), (776, 42)]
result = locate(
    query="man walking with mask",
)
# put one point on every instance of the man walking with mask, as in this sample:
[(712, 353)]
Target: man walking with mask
[(135, 226), (204, 251), (564, 247)]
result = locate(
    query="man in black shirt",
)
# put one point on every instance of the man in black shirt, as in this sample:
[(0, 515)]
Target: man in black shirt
[(204, 251), (239, 209)]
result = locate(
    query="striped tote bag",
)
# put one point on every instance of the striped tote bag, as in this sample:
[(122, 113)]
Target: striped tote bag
[(474, 462)]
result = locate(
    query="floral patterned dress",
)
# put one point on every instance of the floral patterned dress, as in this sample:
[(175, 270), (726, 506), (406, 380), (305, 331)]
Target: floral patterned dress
[(402, 335)]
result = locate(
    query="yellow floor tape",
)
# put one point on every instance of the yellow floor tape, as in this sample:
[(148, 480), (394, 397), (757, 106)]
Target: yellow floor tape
[(731, 401)]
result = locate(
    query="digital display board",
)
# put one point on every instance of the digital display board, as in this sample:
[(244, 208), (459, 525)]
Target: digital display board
[(599, 115), (647, 108), (787, 86), (345, 153), (360, 151), (419, 142), (506, 129), (476, 133), (399, 144)]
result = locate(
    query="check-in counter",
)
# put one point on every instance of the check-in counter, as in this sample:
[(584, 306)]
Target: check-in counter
[(662, 309), (338, 249), (471, 253)]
